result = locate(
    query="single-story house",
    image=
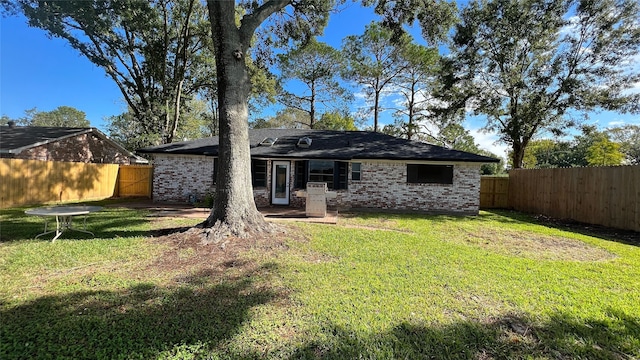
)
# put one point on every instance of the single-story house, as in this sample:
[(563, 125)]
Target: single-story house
[(87, 145), (366, 169)]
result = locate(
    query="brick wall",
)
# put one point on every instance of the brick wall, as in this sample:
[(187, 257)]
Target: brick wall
[(86, 148), (175, 177), (383, 185)]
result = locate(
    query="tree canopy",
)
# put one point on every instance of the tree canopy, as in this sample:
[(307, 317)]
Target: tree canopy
[(525, 65), (373, 62), (62, 116), (316, 66)]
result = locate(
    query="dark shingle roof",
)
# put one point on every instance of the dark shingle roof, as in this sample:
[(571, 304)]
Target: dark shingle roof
[(15, 139), (326, 144)]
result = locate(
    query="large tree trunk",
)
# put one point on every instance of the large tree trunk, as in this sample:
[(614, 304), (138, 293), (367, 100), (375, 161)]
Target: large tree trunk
[(234, 212), (517, 155)]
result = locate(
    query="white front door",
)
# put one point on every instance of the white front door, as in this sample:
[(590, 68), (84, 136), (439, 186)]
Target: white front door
[(280, 182)]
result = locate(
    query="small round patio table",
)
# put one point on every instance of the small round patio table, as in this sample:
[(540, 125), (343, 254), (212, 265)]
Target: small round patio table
[(64, 215)]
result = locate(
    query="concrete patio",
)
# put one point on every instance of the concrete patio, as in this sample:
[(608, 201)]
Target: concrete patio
[(271, 213)]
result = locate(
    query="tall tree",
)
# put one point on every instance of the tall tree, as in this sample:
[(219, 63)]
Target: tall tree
[(525, 64), (150, 49), (62, 116), (316, 65), (374, 61), (414, 84), (234, 209)]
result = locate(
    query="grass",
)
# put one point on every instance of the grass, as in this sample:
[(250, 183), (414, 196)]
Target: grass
[(496, 286)]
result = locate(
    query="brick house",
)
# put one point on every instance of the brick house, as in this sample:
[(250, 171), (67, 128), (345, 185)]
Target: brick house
[(88, 145), (366, 169)]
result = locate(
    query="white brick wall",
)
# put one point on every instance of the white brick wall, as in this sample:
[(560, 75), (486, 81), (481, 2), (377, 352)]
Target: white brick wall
[(383, 185), (177, 176)]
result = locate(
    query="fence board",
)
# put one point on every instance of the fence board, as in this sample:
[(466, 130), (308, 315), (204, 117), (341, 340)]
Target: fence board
[(24, 182), (608, 196)]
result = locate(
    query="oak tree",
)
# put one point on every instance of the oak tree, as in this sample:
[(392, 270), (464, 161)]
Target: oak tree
[(525, 65)]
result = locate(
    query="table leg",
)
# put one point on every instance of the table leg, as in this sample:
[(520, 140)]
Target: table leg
[(45, 228), (65, 223)]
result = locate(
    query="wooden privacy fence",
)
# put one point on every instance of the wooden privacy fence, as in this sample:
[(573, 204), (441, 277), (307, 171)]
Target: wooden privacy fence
[(25, 182), (608, 196), (494, 192)]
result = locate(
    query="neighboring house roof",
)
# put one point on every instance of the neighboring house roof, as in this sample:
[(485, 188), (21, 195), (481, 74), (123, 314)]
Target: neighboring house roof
[(16, 139), (326, 144)]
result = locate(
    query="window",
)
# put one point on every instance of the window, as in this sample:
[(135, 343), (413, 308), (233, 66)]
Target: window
[(430, 174), (355, 171), (321, 171), (334, 173), (301, 174), (259, 173)]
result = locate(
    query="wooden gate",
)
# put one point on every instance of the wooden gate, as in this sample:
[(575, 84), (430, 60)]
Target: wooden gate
[(135, 180), (494, 192)]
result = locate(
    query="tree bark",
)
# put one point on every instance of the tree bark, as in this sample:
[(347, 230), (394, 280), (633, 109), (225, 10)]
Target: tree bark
[(517, 155), (234, 212)]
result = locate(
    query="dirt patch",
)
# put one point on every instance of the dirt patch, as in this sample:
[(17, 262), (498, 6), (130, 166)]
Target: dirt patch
[(535, 246), (194, 261)]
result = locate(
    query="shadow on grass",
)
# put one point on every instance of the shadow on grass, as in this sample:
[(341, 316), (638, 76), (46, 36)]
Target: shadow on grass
[(508, 337), (627, 237), (109, 223), (140, 322)]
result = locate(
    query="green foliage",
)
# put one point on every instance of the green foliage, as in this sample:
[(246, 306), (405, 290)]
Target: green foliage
[(373, 62), (628, 136), (524, 65), (157, 53), (590, 148), (434, 17), (414, 84), (287, 118), (604, 152), (336, 120), (62, 116), (317, 66)]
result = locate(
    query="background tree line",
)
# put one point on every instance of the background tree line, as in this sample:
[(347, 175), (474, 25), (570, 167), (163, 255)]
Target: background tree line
[(522, 65)]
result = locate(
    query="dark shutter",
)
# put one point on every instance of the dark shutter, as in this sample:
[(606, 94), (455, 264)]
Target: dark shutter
[(259, 173), (341, 174), (301, 174)]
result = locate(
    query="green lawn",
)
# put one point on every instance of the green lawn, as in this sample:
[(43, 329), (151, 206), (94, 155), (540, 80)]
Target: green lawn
[(375, 286)]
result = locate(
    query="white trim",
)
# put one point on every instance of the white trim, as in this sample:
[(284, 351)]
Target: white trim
[(275, 199)]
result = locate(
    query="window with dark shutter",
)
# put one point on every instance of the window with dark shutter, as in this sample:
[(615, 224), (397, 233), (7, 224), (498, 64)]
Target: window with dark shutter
[(301, 174)]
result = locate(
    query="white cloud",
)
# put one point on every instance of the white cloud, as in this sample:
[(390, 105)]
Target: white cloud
[(615, 123), (489, 141)]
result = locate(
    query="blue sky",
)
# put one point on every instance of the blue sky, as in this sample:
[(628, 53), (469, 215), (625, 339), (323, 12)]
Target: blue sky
[(45, 73)]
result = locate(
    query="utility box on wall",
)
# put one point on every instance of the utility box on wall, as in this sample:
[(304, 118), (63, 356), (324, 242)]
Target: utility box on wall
[(316, 194)]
